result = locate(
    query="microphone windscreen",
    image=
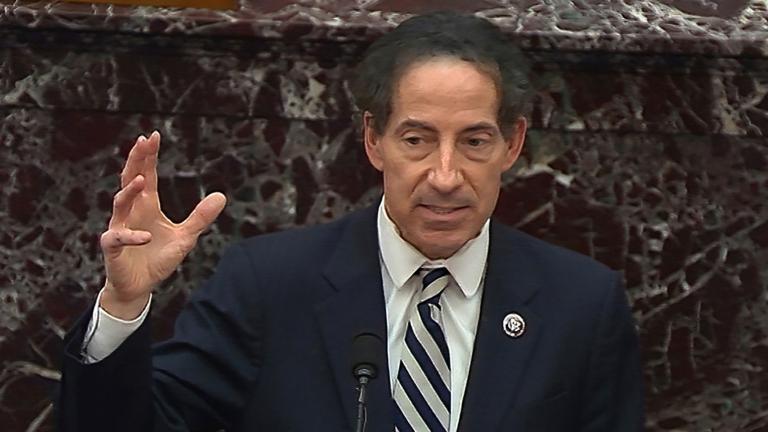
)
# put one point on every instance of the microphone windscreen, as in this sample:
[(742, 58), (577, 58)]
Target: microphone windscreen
[(367, 352)]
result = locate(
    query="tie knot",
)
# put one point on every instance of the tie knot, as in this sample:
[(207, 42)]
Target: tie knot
[(433, 284)]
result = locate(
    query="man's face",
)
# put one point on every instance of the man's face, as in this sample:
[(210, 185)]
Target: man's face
[(442, 154)]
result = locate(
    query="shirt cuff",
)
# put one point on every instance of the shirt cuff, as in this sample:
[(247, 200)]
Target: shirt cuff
[(105, 333)]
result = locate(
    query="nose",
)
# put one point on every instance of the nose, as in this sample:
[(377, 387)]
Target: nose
[(445, 177)]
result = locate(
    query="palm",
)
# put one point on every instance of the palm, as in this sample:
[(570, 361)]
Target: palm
[(146, 265)]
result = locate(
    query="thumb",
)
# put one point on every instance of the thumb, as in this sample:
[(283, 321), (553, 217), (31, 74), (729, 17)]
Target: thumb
[(206, 211)]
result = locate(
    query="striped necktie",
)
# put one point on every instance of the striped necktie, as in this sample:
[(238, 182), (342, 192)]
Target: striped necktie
[(422, 392)]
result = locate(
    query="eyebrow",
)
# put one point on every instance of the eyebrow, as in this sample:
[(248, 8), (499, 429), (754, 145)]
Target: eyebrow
[(480, 127), (414, 124), (418, 124)]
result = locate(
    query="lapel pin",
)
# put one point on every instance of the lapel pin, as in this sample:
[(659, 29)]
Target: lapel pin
[(514, 325)]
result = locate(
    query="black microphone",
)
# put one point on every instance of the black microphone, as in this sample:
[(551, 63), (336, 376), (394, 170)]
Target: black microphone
[(367, 349)]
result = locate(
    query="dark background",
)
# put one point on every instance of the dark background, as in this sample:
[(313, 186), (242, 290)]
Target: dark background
[(647, 151)]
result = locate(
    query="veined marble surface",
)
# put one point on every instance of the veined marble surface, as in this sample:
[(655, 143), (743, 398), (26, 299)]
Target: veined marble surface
[(647, 151), (720, 27)]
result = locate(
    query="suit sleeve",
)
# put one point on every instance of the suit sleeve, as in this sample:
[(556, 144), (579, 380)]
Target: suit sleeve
[(613, 395), (198, 380)]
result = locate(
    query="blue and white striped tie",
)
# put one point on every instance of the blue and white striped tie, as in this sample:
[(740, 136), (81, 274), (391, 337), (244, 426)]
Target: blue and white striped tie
[(422, 392)]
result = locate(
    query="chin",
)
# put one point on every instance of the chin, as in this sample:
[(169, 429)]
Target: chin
[(438, 245)]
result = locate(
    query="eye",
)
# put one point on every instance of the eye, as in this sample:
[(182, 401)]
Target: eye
[(476, 142), (413, 140)]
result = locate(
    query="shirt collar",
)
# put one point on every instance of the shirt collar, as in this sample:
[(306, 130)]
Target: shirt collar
[(402, 260)]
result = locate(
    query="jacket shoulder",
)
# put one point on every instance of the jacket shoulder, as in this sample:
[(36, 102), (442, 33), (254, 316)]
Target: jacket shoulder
[(556, 256), (562, 272)]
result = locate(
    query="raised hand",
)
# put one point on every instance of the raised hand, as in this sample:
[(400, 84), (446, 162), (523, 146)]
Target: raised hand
[(142, 247)]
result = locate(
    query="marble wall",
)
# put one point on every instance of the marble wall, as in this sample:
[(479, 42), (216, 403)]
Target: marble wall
[(647, 151)]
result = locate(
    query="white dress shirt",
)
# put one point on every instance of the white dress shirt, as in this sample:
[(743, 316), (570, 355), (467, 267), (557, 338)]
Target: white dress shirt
[(460, 305), (460, 302), (105, 332)]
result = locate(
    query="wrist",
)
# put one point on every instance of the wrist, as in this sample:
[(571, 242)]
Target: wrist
[(118, 306)]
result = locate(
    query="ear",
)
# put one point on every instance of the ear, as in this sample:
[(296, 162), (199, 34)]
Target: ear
[(372, 142), (515, 142)]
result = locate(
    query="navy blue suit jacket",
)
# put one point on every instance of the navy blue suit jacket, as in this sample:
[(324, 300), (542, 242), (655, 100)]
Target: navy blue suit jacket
[(264, 344)]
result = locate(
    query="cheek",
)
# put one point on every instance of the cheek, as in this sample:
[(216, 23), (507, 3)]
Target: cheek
[(485, 181), (398, 192), (402, 178)]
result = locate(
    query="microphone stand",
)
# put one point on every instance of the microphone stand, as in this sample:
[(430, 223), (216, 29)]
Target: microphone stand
[(362, 400), (364, 373)]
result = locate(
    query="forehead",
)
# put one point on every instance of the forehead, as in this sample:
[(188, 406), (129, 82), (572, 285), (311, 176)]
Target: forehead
[(445, 88)]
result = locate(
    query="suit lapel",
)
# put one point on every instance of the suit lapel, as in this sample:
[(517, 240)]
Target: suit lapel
[(357, 305), (499, 361)]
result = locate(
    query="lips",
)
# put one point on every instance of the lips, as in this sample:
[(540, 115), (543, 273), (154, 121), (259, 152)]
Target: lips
[(443, 214), (442, 210)]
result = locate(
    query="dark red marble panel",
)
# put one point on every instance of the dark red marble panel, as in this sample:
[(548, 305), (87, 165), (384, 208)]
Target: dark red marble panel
[(647, 157), (684, 216), (721, 27), (575, 91), (662, 209), (135, 75)]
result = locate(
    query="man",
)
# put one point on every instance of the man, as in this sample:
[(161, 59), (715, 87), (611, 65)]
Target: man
[(486, 328)]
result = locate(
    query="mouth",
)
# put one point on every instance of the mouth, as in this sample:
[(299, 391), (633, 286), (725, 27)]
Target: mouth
[(443, 212)]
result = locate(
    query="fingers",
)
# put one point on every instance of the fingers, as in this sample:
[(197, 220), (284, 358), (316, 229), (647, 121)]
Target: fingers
[(204, 214), (123, 201), (113, 240), (136, 163), (150, 161)]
